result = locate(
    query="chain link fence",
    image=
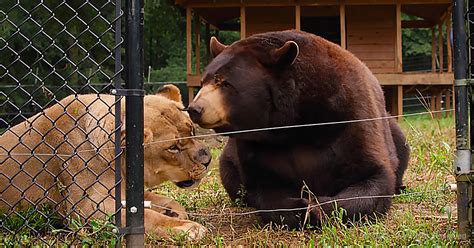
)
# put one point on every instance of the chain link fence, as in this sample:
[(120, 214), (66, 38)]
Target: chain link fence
[(60, 134)]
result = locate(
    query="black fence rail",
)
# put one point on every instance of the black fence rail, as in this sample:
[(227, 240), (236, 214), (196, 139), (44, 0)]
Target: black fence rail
[(60, 130), (463, 32)]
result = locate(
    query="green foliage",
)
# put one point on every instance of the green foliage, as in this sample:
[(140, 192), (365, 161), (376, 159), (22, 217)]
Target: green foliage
[(416, 41)]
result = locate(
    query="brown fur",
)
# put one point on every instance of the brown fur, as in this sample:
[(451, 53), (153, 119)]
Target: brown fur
[(80, 125), (290, 78)]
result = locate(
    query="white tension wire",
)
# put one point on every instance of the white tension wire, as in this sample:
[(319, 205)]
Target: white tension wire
[(230, 133)]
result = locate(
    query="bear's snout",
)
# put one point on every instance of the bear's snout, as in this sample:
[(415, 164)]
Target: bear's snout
[(195, 112)]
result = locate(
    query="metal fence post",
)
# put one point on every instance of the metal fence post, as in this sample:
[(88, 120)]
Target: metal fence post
[(463, 152), (134, 124)]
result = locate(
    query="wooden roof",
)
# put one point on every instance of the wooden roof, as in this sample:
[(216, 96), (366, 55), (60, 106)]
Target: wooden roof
[(229, 3), (220, 13)]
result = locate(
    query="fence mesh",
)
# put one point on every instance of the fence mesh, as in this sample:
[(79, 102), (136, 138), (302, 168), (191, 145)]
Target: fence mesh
[(57, 157)]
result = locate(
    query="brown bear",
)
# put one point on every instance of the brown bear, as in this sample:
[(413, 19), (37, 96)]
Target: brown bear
[(292, 78)]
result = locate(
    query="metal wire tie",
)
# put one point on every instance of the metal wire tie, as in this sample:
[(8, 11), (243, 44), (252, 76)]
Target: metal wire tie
[(463, 82), (128, 92)]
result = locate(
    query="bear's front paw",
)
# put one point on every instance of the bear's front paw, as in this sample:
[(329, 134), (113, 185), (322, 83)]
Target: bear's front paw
[(316, 209)]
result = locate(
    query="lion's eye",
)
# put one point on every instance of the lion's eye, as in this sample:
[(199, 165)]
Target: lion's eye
[(173, 149)]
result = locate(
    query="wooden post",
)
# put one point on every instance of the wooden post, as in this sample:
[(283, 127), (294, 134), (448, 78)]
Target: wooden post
[(188, 41), (440, 46), (400, 101), (433, 101), (439, 98), (398, 50), (189, 51), (298, 17), (448, 103), (197, 43), (433, 50), (208, 40), (342, 16), (243, 23), (448, 43)]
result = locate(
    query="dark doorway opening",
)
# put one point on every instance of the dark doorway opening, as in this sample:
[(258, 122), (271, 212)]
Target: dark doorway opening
[(327, 27)]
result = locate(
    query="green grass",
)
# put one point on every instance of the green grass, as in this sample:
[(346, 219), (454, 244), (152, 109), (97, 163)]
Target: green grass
[(424, 216)]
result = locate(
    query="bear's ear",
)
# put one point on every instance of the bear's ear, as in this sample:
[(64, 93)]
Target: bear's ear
[(216, 47), (286, 54), (171, 92)]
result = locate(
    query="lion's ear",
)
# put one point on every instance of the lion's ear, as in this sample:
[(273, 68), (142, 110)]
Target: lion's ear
[(147, 135), (171, 92)]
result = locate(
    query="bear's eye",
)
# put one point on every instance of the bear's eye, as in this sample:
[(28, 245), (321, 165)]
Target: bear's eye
[(173, 149)]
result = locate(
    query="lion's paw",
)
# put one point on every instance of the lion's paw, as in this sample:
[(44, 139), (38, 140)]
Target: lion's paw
[(193, 230)]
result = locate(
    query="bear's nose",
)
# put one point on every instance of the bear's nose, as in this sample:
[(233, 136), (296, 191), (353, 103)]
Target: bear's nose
[(195, 112)]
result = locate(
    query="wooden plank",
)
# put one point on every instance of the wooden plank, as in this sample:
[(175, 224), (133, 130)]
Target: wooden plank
[(366, 56), (370, 48), (371, 38), (190, 94), (433, 50), (237, 3), (381, 64), (448, 103), (438, 104), (400, 101), (208, 41), (416, 24), (440, 47), (274, 19), (428, 78), (398, 45), (342, 16), (243, 23), (433, 102), (197, 43), (194, 80), (188, 41), (394, 101), (298, 17), (448, 43)]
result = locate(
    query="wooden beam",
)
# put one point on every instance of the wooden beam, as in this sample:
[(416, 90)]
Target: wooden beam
[(433, 50), (188, 41), (243, 23), (197, 43), (429, 78), (416, 24), (298, 17), (440, 47), (398, 43), (266, 3), (448, 43), (342, 16)]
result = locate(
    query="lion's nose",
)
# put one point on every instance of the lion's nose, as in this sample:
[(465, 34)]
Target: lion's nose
[(205, 156), (195, 112)]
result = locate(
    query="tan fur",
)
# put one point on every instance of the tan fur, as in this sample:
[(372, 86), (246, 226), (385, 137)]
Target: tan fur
[(74, 129), (211, 99)]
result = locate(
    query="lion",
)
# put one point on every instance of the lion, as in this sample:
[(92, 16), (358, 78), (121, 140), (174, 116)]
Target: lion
[(64, 157)]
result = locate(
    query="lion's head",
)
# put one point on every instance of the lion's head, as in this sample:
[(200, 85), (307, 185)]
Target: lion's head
[(170, 155)]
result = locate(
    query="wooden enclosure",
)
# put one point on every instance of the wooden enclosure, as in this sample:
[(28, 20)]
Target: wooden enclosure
[(372, 30)]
